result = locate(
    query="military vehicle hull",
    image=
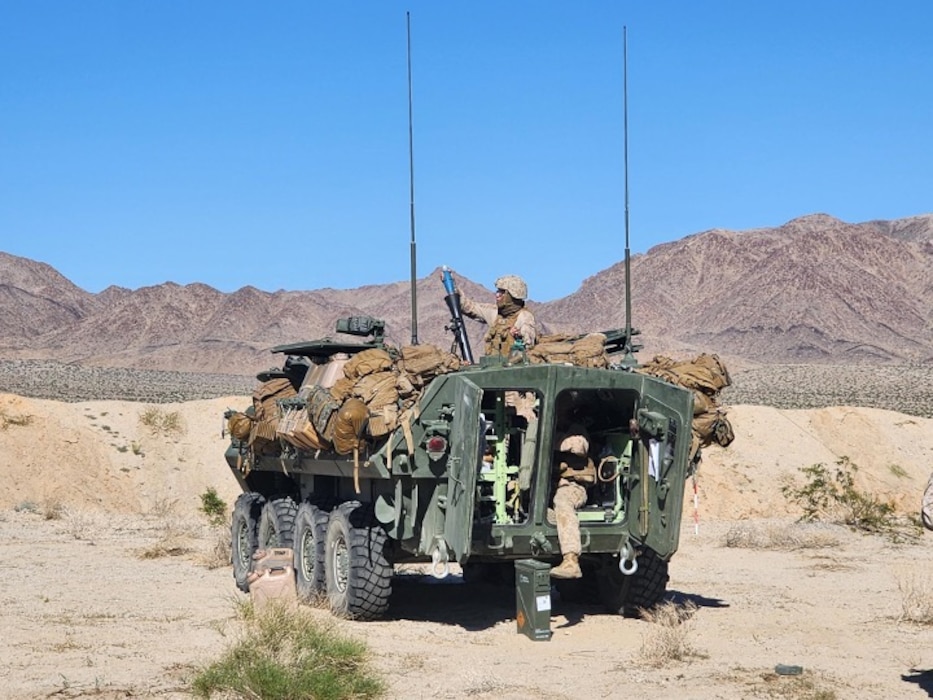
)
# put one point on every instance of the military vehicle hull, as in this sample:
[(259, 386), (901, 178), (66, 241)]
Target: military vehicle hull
[(467, 478)]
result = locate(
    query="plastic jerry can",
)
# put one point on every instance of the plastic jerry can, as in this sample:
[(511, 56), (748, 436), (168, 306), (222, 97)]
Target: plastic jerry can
[(273, 578), (273, 558), (274, 585)]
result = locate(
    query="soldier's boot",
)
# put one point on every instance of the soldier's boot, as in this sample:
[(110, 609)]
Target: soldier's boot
[(568, 568)]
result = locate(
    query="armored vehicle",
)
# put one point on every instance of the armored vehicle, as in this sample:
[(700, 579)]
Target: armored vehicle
[(454, 465)]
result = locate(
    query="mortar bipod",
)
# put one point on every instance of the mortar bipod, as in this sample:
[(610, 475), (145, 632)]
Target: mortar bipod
[(628, 562)]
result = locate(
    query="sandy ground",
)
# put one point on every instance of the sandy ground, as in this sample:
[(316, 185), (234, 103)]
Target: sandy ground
[(92, 493)]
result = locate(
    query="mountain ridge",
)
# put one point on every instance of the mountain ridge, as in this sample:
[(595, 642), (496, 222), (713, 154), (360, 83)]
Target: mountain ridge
[(815, 289)]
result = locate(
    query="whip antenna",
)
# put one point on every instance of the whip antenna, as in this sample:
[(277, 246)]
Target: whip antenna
[(411, 185), (628, 254)]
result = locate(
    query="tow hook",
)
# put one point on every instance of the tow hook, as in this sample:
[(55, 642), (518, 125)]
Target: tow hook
[(440, 566), (628, 562)]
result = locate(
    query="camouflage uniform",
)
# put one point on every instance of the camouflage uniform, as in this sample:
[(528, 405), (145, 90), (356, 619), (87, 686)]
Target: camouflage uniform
[(499, 338), (576, 471), (507, 320), (926, 508), (504, 328), (568, 498)]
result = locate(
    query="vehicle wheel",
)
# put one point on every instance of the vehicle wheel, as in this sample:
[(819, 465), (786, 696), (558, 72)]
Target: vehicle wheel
[(357, 572), (244, 538), (644, 589), (277, 523), (310, 534)]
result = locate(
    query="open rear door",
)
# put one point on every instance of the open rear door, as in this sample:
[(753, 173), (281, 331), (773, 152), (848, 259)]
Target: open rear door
[(463, 465)]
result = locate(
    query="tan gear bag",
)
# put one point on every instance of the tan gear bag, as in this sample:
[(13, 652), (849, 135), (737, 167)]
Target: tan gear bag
[(349, 425)]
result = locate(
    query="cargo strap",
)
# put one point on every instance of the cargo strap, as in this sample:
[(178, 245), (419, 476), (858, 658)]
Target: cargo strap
[(356, 469), (410, 414), (643, 506)]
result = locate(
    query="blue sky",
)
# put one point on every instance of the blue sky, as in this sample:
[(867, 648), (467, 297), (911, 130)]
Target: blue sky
[(266, 143)]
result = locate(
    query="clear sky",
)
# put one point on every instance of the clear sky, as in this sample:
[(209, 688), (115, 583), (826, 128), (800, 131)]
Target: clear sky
[(267, 143)]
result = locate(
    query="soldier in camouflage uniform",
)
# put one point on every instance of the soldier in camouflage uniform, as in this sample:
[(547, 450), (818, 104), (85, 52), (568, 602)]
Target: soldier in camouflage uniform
[(926, 507), (508, 319), (575, 471)]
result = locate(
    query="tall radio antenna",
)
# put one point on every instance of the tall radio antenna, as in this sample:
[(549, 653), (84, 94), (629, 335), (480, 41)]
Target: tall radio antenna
[(628, 254), (411, 184)]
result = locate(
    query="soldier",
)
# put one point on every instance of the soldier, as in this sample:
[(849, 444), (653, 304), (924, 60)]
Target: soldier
[(926, 507), (575, 471), (508, 319), (509, 322)]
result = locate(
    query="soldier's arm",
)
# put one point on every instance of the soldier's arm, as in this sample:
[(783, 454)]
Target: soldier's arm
[(525, 328), (484, 313)]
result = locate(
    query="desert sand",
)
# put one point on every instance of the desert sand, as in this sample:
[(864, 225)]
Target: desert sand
[(113, 588)]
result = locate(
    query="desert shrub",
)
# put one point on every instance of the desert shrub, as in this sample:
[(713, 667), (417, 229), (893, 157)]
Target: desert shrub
[(14, 419), (213, 506), (171, 544), (164, 508), (219, 553), (667, 639), (162, 422), (288, 654), (916, 598), (832, 496), (898, 471), (806, 686), (174, 534), (52, 509), (753, 535)]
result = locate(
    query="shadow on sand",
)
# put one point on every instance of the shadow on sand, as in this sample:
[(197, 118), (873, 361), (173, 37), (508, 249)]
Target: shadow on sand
[(482, 605), (923, 679)]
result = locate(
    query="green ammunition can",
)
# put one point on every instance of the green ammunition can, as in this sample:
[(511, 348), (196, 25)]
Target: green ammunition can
[(533, 599)]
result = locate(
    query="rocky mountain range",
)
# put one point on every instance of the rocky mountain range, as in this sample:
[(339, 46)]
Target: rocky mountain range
[(815, 290)]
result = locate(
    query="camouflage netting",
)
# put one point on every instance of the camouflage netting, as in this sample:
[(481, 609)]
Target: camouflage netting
[(706, 376)]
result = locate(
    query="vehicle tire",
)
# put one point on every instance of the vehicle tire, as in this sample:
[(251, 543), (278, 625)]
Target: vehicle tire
[(310, 535), (627, 595), (244, 538), (356, 569), (277, 523)]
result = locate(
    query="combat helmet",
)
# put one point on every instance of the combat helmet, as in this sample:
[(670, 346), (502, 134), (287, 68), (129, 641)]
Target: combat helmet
[(514, 285)]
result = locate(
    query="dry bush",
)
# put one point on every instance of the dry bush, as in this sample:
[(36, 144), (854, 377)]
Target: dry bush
[(219, 553), (916, 598), (667, 638), (162, 422), (14, 419), (169, 545), (806, 686), (52, 509), (80, 524), (174, 539), (163, 508), (784, 536), (174, 534)]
